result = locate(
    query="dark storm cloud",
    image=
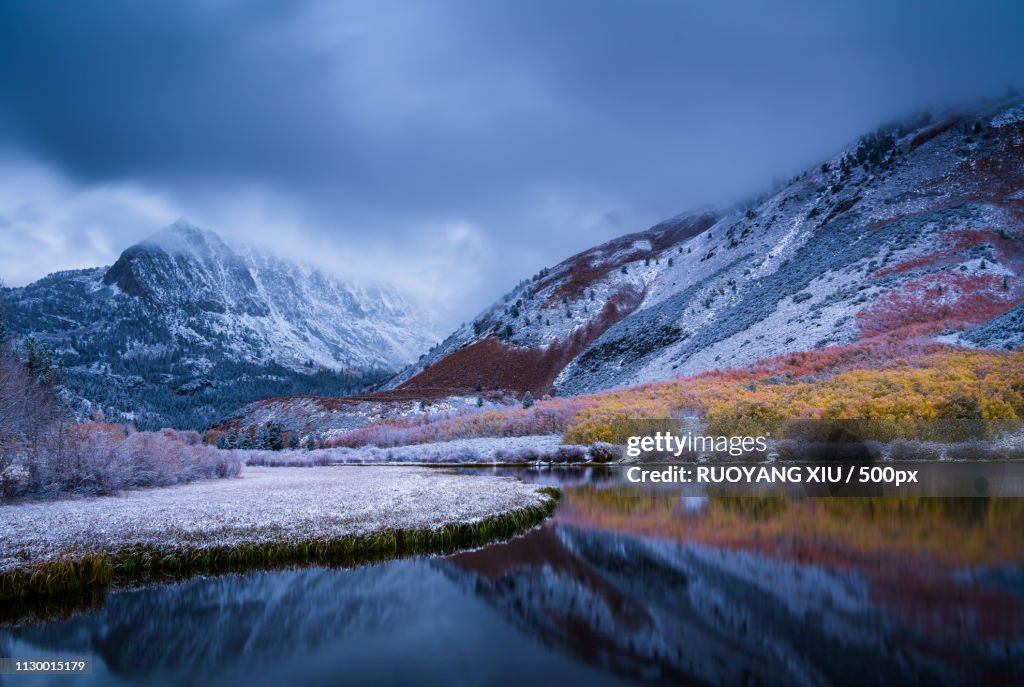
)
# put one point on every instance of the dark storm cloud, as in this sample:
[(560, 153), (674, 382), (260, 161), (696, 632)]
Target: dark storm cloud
[(502, 136)]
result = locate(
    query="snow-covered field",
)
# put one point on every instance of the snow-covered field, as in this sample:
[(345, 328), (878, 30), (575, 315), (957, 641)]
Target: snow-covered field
[(263, 506), (526, 449)]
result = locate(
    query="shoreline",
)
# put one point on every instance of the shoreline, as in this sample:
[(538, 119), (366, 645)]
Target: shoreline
[(267, 518)]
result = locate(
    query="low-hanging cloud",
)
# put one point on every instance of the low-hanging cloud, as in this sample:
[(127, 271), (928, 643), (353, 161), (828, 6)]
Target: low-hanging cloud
[(450, 147)]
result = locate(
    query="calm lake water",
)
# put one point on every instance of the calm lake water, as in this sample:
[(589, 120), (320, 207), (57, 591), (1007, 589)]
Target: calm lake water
[(623, 586)]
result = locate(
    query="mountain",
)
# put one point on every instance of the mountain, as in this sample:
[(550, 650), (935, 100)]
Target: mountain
[(183, 329), (915, 230)]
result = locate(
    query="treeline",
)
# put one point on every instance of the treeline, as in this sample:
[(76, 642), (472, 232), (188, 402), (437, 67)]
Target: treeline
[(270, 436), (152, 398)]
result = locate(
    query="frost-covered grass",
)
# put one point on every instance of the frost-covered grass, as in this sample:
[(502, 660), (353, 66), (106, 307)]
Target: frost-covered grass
[(266, 518), (526, 449)]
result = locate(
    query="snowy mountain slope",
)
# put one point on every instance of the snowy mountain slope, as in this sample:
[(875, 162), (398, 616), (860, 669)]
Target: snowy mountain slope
[(183, 329), (914, 230), (526, 339), (1005, 331), (272, 308), (327, 419)]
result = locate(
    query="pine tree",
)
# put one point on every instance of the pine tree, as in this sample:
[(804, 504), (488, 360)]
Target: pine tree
[(274, 439), (293, 440), (260, 441), (527, 399), (40, 361)]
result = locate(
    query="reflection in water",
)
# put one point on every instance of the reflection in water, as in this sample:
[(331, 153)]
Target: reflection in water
[(623, 586), (658, 609)]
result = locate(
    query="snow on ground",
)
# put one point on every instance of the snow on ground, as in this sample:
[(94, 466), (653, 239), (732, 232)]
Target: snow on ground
[(264, 505), (525, 449)]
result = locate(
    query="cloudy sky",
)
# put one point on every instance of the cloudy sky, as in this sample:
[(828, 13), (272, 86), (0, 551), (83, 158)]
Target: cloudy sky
[(451, 148)]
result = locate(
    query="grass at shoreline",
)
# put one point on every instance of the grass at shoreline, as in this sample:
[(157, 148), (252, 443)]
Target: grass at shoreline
[(80, 579)]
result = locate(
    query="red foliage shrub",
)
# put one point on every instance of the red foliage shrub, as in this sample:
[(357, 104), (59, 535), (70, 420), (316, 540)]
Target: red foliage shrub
[(498, 365), (934, 302)]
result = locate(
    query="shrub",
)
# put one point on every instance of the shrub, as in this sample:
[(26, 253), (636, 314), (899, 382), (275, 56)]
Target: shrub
[(970, 450), (904, 449), (601, 452), (569, 454), (894, 388), (93, 459), (894, 394)]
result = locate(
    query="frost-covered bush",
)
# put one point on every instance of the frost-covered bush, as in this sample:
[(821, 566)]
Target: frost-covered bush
[(603, 452), (569, 454), (528, 449), (980, 450), (905, 449), (43, 453), (524, 454), (289, 459), (93, 459)]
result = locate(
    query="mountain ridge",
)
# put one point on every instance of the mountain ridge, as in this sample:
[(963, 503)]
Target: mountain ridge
[(183, 313), (849, 249)]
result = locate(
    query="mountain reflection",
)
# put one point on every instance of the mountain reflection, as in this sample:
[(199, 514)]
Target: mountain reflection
[(620, 587), (768, 591), (260, 618)]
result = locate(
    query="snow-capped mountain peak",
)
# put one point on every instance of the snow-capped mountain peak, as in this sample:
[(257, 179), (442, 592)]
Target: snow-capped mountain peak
[(183, 307)]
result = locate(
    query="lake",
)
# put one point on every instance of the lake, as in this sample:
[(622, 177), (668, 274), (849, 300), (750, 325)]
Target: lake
[(624, 585)]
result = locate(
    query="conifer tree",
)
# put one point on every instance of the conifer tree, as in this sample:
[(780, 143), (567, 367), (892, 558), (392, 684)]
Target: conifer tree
[(260, 440), (274, 439)]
